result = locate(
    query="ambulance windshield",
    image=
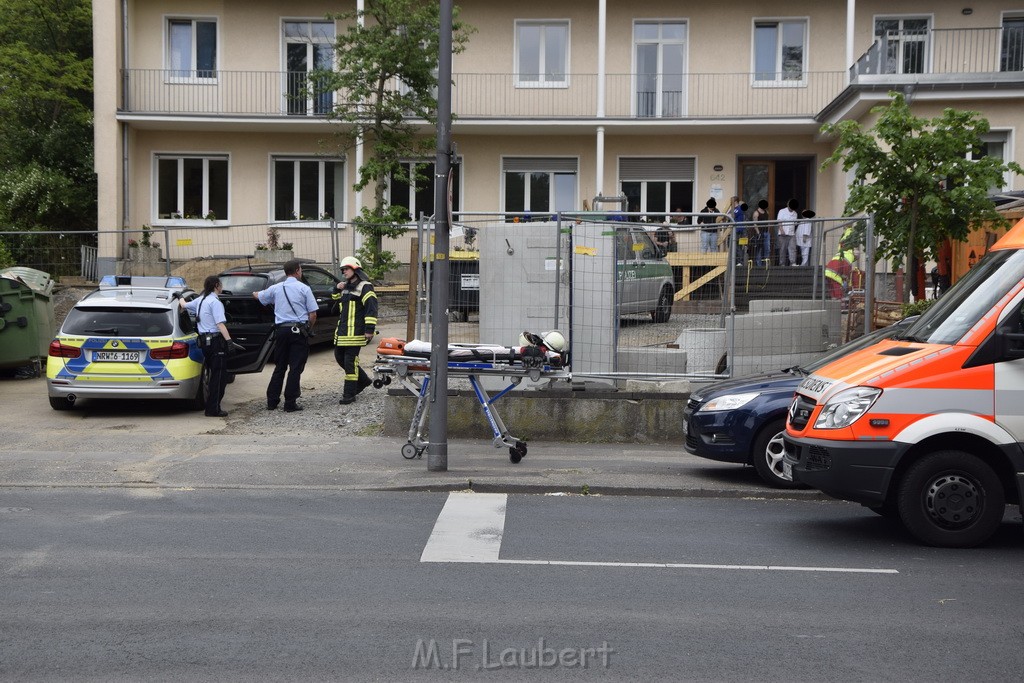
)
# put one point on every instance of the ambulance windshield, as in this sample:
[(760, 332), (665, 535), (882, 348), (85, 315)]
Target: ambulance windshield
[(959, 309)]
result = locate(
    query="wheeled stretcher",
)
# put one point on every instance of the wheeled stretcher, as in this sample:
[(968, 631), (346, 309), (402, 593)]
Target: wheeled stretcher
[(471, 361)]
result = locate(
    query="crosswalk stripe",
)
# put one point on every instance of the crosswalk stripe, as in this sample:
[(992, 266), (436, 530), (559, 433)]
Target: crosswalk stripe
[(469, 529)]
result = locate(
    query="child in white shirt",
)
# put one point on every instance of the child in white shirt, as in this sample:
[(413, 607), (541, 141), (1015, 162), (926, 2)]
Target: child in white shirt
[(804, 238)]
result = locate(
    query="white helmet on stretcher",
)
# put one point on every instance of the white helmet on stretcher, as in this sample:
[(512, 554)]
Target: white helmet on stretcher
[(554, 340)]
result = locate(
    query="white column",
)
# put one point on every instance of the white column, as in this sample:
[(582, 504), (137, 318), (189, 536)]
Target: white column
[(851, 11), (602, 34), (357, 239), (602, 30)]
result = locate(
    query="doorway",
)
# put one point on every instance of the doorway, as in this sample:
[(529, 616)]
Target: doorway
[(777, 180)]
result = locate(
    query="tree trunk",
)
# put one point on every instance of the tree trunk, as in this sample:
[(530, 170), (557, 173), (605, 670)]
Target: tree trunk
[(908, 263)]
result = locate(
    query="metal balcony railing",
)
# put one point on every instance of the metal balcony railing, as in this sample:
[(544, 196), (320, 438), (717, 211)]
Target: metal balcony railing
[(494, 96), (944, 54)]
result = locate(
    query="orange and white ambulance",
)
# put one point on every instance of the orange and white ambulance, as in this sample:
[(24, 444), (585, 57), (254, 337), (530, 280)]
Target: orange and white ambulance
[(927, 426)]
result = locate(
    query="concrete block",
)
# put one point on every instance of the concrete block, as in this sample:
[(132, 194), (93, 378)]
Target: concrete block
[(622, 417), (782, 332), (704, 348)]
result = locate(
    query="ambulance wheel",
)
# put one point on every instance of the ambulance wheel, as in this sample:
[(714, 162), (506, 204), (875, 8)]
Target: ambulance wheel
[(766, 455), (409, 451), (951, 499), (663, 310)]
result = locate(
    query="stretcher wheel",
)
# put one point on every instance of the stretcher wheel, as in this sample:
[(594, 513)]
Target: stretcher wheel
[(517, 452), (378, 383), (387, 380), (409, 451)]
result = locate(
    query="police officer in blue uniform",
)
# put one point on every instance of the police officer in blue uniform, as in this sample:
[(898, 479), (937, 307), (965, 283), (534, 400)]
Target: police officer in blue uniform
[(214, 340), (294, 316)]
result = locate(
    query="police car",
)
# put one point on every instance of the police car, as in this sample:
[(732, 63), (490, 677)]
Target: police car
[(128, 339)]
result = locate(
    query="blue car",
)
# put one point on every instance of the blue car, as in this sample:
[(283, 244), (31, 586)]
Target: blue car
[(742, 420)]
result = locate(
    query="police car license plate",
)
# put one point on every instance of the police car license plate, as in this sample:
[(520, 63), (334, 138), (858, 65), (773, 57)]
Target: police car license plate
[(116, 356), (787, 471)]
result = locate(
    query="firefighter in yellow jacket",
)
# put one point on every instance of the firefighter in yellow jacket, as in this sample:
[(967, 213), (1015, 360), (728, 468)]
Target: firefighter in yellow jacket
[(357, 321)]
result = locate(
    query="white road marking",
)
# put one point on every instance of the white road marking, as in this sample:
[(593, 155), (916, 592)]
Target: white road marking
[(471, 525), (469, 529), (684, 565)]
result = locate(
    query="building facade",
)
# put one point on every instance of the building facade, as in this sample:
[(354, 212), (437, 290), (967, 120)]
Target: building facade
[(202, 124)]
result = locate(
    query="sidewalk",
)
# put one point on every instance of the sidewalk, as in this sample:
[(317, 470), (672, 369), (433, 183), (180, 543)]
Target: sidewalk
[(153, 444)]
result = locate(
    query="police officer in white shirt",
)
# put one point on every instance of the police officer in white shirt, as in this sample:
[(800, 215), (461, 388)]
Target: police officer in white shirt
[(214, 340), (294, 316)]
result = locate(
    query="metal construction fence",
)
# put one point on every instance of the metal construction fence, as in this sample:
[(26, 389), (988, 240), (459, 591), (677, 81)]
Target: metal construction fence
[(641, 300), (649, 297)]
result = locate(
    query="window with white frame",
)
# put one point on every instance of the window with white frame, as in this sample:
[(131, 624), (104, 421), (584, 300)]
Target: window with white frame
[(192, 48), (308, 46), (994, 144), (903, 44), (780, 50), (658, 186), (540, 185), (307, 188), (192, 187), (542, 53), (1011, 55), (660, 54), (415, 191)]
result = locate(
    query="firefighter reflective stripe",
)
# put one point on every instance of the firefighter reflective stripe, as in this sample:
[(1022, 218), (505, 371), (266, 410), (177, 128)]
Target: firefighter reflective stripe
[(933, 401), (357, 315), (833, 275)]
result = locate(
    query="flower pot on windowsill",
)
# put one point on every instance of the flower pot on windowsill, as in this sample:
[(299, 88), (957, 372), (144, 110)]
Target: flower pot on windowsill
[(146, 254), (274, 255)]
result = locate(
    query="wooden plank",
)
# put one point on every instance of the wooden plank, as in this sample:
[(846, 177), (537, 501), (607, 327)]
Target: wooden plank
[(698, 283), (685, 259)]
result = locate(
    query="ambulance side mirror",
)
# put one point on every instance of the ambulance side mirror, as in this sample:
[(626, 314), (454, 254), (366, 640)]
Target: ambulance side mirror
[(1012, 344)]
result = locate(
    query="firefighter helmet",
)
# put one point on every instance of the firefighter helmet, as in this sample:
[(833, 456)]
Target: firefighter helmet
[(351, 262), (554, 340), (530, 339)]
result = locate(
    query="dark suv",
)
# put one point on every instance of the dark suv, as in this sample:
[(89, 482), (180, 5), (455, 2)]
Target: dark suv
[(252, 324)]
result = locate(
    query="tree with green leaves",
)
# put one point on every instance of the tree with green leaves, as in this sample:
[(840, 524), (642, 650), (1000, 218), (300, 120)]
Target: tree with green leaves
[(46, 137), (385, 77), (917, 177)]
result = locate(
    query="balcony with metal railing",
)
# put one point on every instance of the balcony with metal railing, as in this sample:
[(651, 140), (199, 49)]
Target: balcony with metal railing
[(975, 55), (491, 96)]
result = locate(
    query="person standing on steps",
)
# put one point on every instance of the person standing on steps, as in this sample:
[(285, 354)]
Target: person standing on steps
[(357, 321), (294, 316)]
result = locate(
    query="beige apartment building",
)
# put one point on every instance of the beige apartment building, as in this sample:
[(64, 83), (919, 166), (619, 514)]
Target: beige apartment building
[(200, 125)]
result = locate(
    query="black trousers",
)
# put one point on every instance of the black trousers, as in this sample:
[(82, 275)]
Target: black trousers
[(289, 357), (215, 357), (355, 379)]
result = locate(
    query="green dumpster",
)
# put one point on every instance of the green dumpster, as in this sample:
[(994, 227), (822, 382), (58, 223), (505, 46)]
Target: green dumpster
[(27, 322)]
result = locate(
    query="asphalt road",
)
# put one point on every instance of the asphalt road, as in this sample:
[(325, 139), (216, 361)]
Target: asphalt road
[(163, 584)]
